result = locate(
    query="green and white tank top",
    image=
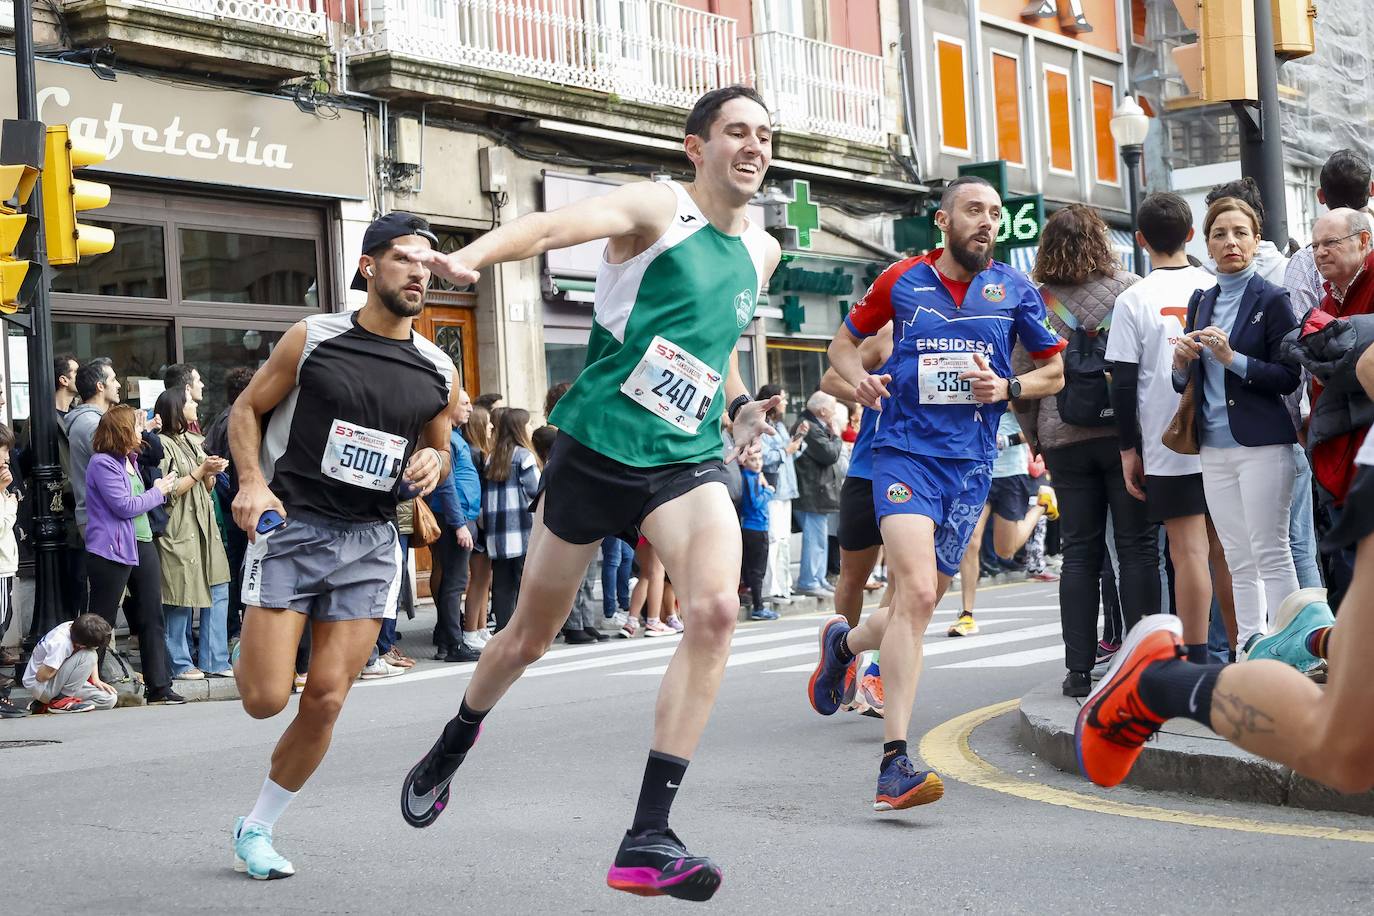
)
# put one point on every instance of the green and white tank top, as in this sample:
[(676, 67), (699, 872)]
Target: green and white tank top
[(666, 321)]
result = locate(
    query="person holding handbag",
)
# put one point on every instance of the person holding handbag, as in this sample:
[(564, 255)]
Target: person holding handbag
[(1230, 355), (195, 566)]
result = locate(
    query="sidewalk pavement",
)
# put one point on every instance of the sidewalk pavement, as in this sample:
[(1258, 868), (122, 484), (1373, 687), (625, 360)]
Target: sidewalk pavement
[(1185, 757)]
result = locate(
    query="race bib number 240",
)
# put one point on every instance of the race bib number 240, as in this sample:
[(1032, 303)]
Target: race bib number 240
[(368, 458), (673, 385)]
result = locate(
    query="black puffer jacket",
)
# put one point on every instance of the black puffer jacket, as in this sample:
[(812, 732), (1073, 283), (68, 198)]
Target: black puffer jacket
[(818, 470)]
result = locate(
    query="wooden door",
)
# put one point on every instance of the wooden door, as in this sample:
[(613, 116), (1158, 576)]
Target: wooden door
[(450, 320)]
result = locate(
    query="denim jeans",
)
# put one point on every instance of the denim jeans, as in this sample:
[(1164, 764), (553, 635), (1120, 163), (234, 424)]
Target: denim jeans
[(1302, 534), (1218, 642), (617, 557), (815, 548), (214, 634)]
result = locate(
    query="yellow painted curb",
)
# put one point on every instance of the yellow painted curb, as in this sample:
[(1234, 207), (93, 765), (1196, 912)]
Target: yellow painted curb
[(946, 750)]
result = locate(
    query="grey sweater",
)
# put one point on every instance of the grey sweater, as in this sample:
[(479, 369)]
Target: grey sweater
[(1089, 303), (80, 427)]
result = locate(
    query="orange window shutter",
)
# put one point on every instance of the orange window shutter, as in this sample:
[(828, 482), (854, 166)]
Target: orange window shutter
[(953, 107), (1059, 120), (1104, 97), (1007, 92)]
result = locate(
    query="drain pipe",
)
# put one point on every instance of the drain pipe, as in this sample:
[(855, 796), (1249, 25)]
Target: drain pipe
[(341, 68)]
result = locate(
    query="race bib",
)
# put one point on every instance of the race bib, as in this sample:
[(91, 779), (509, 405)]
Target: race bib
[(673, 385), (939, 378), (363, 457)]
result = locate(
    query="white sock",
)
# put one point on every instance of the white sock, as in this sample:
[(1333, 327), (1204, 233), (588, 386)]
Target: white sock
[(472, 638), (272, 802)]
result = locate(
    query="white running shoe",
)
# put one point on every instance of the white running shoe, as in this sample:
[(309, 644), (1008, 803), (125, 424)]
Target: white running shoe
[(381, 669)]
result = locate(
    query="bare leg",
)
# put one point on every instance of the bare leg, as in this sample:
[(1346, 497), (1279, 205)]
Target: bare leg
[(1270, 709), (553, 573), (266, 668), (697, 535), (1009, 537), (912, 564), (479, 593), (1221, 582), (969, 566), (648, 592), (855, 568), (339, 650), (1188, 548)]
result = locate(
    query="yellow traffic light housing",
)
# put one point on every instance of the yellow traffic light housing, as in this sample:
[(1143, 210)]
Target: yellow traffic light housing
[(1294, 28), (65, 196), (1221, 65), (19, 277)]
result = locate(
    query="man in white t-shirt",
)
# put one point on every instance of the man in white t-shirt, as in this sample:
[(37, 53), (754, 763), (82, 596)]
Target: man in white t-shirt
[(1147, 321), (63, 674)]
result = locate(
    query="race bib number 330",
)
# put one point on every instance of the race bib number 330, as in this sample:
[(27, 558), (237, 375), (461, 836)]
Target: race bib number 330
[(363, 457), (673, 385), (939, 378)]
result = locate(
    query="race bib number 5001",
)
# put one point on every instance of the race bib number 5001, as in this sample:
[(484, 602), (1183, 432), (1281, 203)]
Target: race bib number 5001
[(673, 385), (363, 457), (939, 378)]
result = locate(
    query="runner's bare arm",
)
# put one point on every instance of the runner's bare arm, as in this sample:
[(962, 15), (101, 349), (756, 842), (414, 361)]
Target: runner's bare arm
[(641, 208), (989, 387), (1364, 370), (269, 386), (752, 419), (874, 351), (432, 461), (848, 363)]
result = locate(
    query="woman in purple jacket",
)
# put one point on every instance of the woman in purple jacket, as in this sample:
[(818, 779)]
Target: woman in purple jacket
[(119, 544)]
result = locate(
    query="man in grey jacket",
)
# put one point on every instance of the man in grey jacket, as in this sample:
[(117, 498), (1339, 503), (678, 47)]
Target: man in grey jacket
[(98, 388), (818, 491)]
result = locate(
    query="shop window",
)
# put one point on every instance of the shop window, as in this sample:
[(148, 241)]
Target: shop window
[(1006, 83), (241, 267), (214, 351), (136, 350), (1059, 120), (563, 362), (953, 99), (136, 266), (1104, 145), (798, 369)]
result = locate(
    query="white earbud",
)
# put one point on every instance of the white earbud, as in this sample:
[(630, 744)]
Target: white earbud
[(368, 271)]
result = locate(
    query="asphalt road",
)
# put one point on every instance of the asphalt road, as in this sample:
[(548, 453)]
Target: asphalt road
[(130, 810)]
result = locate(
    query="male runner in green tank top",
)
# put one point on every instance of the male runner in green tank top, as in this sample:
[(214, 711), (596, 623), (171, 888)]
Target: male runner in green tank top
[(639, 448)]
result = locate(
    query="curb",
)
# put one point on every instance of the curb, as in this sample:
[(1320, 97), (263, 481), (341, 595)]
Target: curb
[(1184, 758)]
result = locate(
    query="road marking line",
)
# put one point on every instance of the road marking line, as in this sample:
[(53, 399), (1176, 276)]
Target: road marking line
[(960, 644), (946, 749), (1014, 659)]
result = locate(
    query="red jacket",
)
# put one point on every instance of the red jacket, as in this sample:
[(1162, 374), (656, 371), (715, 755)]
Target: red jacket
[(1333, 458)]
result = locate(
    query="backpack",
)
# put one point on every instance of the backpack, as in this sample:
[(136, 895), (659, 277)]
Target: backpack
[(1086, 398)]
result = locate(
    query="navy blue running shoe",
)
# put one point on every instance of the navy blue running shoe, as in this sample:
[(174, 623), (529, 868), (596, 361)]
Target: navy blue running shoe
[(826, 689)]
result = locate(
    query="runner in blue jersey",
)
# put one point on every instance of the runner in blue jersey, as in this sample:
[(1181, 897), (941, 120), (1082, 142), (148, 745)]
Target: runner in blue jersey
[(956, 315)]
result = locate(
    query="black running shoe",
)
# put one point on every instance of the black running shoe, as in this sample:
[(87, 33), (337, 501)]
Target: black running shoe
[(424, 794), (653, 864)]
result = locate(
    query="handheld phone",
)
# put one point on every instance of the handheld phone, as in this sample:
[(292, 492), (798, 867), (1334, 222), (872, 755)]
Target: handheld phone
[(269, 521), (149, 414)]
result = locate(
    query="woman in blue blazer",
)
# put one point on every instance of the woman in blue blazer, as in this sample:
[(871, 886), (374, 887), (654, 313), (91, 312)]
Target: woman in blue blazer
[(1231, 351)]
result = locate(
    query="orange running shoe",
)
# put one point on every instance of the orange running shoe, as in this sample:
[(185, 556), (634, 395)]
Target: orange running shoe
[(871, 693), (849, 700), (1114, 723)]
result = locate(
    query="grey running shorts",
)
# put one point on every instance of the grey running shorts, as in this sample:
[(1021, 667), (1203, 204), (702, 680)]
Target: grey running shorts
[(325, 568)]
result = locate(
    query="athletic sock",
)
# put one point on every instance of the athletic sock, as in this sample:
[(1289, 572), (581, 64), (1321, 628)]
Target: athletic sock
[(1198, 654), (891, 751), (272, 802), (662, 776), (1318, 641), (844, 653), (1180, 688), (461, 731)]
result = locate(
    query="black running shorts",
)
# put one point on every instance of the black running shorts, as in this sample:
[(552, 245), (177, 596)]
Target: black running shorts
[(588, 497), (1174, 497), (858, 521)]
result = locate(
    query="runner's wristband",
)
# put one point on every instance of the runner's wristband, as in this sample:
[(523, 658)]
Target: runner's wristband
[(736, 404)]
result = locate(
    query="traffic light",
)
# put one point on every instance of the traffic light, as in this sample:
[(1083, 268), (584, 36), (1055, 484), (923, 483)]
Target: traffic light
[(1220, 65), (21, 151), (1294, 32), (65, 196)]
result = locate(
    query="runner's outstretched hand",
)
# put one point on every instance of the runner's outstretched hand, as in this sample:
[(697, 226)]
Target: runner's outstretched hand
[(872, 390), (444, 264), (423, 471), (988, 386), (253, 500), (750, 423)]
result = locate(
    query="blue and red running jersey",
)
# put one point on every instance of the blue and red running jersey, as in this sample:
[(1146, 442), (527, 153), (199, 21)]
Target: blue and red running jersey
[(1001, 307)]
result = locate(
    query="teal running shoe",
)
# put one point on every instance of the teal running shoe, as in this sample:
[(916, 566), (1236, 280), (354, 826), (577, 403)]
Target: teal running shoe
[(1302, 612), (253, 853)]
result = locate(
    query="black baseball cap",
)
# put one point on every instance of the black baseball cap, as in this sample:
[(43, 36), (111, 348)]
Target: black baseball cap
[(392, 226)]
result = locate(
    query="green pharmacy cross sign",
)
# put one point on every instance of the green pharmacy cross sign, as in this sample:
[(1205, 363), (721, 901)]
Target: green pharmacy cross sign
[(792, 216)]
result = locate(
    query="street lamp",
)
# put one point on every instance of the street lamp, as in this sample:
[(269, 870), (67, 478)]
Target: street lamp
[(1130, 126)]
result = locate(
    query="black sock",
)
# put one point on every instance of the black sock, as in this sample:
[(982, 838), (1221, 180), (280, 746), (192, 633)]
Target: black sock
[(1198, 654), (844, 653), (891, 751), (662, 776), (461, 731), (1180, 688)]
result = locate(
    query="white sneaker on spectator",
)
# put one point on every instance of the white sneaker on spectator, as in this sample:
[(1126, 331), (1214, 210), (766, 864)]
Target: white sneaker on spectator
[(656, 627), (190, 674), (380, 669), (675, 622), (473, 639), (616, 621)]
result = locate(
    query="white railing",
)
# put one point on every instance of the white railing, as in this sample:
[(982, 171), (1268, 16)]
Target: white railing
[(307, 16), (647, 50), (7, 15), (816, 88)]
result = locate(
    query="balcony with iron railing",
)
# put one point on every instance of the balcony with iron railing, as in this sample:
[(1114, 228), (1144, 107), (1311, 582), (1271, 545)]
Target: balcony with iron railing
[(648, 51), (245, 38), (816, 88)]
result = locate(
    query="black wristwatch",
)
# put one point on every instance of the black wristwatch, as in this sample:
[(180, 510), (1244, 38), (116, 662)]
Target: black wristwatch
[(736, 404), (1013, 388)]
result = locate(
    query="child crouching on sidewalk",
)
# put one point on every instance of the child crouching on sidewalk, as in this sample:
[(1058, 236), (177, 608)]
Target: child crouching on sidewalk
[(63, 674)]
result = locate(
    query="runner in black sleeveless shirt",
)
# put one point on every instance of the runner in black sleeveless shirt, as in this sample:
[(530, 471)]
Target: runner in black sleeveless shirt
[(357, 409)]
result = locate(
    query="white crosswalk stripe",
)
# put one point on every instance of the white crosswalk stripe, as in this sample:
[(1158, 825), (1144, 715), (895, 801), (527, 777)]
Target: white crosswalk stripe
[(1015, 659), (961, 644)]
